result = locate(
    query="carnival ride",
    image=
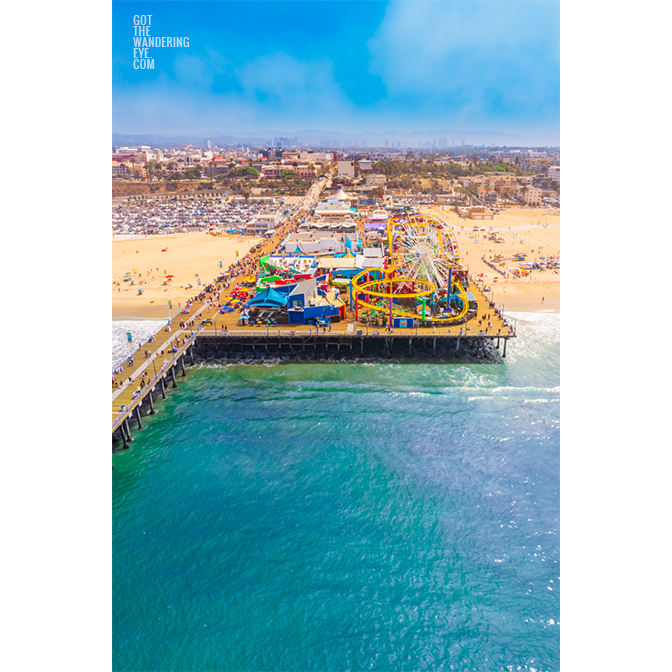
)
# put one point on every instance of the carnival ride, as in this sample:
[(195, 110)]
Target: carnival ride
[(423, 248), (421, 279)]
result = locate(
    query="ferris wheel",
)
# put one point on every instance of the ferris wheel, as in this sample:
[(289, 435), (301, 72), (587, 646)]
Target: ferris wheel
[(422, 249)]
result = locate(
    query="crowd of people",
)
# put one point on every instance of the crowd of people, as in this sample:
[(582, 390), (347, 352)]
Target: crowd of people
[(230, 279)]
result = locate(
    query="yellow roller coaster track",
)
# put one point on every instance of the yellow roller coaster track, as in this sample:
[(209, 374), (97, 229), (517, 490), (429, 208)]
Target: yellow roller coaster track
[(400, 280), (357, 288)]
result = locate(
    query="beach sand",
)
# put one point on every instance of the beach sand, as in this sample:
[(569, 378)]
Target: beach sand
[(532, 231), (186, 257), (189, 256)]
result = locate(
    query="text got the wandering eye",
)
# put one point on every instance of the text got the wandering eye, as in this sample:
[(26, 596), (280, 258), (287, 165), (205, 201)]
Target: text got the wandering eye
[(143, 40)]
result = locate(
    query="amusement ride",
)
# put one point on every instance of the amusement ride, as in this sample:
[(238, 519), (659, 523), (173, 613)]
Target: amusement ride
[(423, 279)]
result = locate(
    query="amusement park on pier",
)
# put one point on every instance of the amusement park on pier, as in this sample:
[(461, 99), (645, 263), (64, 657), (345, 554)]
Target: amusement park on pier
[(337, 278)]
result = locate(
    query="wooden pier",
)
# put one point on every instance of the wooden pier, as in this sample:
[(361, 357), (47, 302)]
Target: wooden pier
[(172, 351), (336, 346)]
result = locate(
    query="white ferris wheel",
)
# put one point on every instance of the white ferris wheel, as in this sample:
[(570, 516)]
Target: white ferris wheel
[(423, 249)]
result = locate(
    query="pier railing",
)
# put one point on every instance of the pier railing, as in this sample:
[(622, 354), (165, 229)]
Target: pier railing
[(165, 367)]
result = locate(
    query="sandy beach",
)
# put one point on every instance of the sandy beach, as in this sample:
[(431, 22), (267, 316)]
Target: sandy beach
[(532, 231), (186, 257)]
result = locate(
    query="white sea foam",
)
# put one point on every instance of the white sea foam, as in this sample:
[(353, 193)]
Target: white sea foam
[(542, 328), (140, 331), (535, 333)]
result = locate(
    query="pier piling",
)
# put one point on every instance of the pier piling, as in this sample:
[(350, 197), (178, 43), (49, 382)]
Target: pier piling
[(300, 345), (124, 438)]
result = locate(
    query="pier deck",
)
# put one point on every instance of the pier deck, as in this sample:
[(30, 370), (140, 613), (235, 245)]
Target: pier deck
[(165, 362), (166, 358)]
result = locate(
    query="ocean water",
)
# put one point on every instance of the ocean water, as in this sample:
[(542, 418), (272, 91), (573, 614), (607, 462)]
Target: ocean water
[(345, 516), (140, 331)]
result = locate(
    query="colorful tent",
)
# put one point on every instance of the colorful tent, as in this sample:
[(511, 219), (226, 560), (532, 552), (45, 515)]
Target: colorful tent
[(268, 298)]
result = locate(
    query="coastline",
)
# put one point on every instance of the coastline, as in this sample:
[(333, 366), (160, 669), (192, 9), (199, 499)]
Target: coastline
[(124, 310), (164, 267)]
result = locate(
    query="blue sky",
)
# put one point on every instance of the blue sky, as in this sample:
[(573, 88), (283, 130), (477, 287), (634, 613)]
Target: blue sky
[(349, 66)]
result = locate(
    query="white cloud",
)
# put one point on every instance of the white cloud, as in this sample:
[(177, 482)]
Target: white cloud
[(474, 59), (285, 85), (199, 71), (276, 91)]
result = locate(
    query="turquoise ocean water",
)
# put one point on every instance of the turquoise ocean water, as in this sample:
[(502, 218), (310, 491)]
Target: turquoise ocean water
[(345, 516)]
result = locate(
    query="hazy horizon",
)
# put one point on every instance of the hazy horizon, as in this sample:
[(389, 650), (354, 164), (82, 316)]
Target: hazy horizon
[(316, 138)]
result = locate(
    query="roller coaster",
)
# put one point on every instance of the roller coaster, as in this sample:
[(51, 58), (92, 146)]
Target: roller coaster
[(423, 269)]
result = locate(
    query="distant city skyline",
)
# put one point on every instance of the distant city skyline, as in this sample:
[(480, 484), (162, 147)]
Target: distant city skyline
[(316, 139), (487, 69)]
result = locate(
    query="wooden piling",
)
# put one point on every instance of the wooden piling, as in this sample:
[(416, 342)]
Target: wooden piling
[(124, 438)]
